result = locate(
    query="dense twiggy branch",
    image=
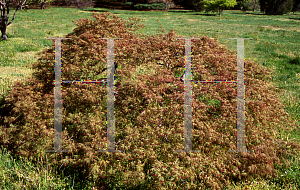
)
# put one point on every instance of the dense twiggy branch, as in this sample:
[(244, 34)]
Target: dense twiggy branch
[(19, 7)]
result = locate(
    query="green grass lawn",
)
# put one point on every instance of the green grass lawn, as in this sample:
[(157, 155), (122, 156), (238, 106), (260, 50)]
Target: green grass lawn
[(275, 45)]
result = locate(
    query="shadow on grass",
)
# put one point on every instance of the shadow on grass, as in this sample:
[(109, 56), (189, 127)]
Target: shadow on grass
[(251, 13), (295, 18), (181, 11), (206, 14), (292, 61), (295, 61), (96, 9)]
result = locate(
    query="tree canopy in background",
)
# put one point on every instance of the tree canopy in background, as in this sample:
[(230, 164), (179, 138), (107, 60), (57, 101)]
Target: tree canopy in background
[(296, 6), (76, 3), (81, 3), (283, 6), (196, 5), (250, 5), (41, 3), (218, 5), (269, 7), (276, 7), (206, 5)]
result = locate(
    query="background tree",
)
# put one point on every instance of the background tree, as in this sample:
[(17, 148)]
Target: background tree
[(76, 3), (41, 3), (196, 5), (81, 3), (110, 3), (263, 5), (218, 5), (44, 2), (284, 7), (5, 6), (59, 2), (276, 7), (238, 6), (296, 6), (119, 3), (250, 5)]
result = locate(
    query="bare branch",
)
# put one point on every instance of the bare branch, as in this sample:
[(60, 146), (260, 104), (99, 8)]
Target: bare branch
[(2, 3), (2, 10), (20, 6)]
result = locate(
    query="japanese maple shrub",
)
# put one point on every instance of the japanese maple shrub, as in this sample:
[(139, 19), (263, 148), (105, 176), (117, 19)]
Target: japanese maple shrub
[(149, 107)]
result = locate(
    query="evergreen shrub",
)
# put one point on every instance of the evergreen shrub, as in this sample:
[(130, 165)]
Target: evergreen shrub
[(158, 6), (296, 6), (249, 5), (128, 5), (149, 107), (285, 7), (277, 7)]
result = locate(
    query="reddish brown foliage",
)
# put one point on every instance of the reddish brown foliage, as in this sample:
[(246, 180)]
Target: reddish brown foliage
[(149, 157)]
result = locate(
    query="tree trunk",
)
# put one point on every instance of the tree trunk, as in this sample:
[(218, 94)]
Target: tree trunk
[(5, 15), (168, 5), (3, 22), (3, 32), (43, 5)]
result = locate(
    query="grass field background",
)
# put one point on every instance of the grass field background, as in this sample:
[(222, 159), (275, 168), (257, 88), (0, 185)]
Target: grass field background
[(275, 45)]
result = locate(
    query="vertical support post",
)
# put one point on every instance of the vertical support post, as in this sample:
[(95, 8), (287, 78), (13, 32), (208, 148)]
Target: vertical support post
[(188, 98), (188, 125), (57, 99), (241, 147), (110, 97)]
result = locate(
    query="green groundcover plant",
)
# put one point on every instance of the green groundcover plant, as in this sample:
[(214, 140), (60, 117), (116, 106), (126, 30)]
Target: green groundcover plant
[(149, 107)]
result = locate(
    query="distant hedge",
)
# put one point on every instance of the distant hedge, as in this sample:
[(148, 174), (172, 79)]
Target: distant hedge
[(159, 6), (128, 4)]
